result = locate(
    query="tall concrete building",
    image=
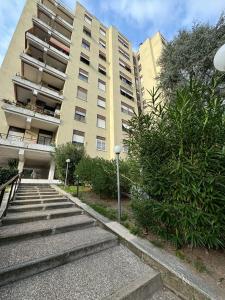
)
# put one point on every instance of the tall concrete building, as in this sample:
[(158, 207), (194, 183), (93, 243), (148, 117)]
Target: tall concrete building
[(67, 78)]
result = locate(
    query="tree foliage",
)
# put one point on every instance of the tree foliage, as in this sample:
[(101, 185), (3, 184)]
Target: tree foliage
[(62, 153), (101, 175), (180, 149), (189, 54)]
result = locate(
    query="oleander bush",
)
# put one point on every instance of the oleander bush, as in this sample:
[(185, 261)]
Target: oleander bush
[(101, 175), (180, 149)]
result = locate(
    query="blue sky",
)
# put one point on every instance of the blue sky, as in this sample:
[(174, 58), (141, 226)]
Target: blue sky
[(137, 19)]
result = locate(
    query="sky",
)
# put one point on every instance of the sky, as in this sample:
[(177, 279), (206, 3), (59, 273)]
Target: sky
[(136, 19)]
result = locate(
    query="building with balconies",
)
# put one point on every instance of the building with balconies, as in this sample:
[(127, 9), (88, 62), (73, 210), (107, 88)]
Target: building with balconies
[(65, 78)]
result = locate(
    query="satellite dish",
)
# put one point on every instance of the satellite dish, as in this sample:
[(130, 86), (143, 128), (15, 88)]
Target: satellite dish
[(219, 59)]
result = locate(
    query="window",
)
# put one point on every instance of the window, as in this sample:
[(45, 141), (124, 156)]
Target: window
[(139, 68), (101, 102), (81, 93), (100, 143), (101, 121), (80, 114), (127, 109), (102, 43), (87, 31), (44, 137), (141, 80), (138, 57), (124, 53), (126, 93), (102, 69), (101, 85), (125, 79), (102, 55), (102, 31), (85, 44), (124, 65), (87, 19), (125, 125), (84, 58), (123, 42), (83, 75), (78, 137)]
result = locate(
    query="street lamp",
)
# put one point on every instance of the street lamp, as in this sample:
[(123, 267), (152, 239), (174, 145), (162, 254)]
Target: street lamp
[(219, 59), (67, 166), (117, 150)]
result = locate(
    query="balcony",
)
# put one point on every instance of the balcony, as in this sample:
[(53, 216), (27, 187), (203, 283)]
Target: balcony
[(37, 88), (59, 9), (57, 53), (45, 13), (27, 116), (50, 31), (28, 60), (13, 141)]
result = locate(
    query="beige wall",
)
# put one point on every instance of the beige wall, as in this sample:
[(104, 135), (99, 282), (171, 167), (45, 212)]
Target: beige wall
[(150, 52)]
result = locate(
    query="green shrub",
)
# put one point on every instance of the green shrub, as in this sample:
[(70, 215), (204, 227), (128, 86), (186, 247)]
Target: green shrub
[(6, 174), (62, 153), (179, 147), (101, 175)]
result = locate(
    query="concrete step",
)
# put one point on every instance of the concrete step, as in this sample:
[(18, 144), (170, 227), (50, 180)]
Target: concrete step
[(25, 258), (30, 230), (35, 193), (23, 217), (40, 207), (98, 276), (38, 196), (39, 201)]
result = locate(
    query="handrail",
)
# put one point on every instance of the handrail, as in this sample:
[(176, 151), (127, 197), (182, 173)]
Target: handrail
[(13, 183)]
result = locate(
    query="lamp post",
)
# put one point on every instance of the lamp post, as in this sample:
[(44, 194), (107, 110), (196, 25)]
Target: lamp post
[(67, 167), (219, 59), (117, 150)]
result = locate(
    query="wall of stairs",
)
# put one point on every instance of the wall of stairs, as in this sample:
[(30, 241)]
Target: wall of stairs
[(49, 249)]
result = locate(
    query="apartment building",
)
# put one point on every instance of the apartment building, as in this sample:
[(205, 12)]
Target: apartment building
[(147, 67), (65, 78)]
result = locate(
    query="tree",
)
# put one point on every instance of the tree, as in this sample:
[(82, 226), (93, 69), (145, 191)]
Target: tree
[(181, 154), (62, 153), (190, 54)]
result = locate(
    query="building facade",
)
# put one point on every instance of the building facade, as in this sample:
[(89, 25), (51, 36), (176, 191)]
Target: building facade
[(65, 78)]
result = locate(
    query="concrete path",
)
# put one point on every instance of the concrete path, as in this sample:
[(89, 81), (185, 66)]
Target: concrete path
[(49, 249)]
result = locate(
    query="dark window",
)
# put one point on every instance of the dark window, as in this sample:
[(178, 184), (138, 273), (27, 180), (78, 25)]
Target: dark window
[(87, 31), (102, 69), (85, 59)]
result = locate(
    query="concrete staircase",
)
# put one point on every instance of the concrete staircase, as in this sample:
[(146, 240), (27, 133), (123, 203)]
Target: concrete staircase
[(49, 249)]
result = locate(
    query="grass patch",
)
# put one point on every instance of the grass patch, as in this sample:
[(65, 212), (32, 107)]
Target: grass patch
[(72, 189)]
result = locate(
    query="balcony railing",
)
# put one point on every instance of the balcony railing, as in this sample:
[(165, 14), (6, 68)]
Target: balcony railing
[(33, 108), (15, 138), (29, 59), (53, 14), (55, 52), (42, 88)]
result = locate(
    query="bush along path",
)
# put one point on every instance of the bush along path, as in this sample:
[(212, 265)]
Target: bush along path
[(51, 250)]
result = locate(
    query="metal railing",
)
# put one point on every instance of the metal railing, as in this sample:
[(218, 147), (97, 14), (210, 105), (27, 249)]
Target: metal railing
[(41, 140), (34, 108), (13, 185)]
